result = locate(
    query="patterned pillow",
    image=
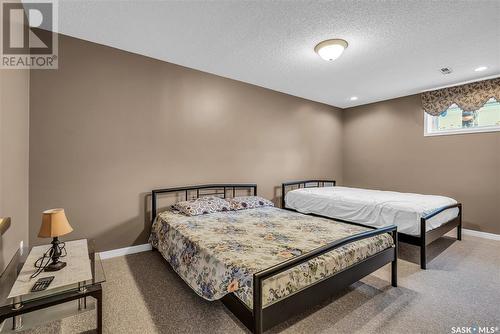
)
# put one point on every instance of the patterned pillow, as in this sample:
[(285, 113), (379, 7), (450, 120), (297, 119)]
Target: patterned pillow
[(202, 205), (248, 202)]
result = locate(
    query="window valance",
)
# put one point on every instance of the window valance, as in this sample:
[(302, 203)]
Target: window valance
[(468, 97)]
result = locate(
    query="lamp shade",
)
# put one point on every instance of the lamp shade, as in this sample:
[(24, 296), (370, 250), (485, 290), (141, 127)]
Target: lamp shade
[(54, 224)]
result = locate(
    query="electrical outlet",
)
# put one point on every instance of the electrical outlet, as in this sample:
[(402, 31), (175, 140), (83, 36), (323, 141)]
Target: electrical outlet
[(21, 247)]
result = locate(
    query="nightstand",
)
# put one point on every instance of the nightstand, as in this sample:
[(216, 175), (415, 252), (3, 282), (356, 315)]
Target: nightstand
[(66, 295)]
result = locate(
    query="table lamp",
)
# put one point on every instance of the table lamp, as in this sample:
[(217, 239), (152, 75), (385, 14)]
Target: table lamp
[(54, 225)]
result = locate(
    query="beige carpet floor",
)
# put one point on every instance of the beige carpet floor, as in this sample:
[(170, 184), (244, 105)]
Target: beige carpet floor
[(460, 288)]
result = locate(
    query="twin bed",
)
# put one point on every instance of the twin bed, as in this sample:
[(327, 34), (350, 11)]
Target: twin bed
[(268, 264), (264, 263), (420, 219)]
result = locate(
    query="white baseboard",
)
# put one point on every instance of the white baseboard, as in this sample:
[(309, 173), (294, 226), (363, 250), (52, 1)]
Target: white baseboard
[(125, 251), (479, 234)]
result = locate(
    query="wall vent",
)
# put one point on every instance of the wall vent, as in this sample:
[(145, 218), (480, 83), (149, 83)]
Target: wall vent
[(446, 70)]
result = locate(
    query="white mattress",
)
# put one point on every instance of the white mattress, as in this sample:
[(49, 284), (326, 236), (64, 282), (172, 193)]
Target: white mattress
[(373, 207)]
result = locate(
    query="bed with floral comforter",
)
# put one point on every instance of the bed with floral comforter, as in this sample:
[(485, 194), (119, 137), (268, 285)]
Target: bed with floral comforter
[(217, 253)]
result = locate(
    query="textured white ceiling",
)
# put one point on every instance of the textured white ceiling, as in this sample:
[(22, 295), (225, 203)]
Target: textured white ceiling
[(396, 48)]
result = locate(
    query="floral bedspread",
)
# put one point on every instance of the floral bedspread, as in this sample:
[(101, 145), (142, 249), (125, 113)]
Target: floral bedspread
[(218, 253)]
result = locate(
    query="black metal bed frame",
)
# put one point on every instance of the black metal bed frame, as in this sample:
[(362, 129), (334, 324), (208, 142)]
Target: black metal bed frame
[(422, 241), (262, 318)]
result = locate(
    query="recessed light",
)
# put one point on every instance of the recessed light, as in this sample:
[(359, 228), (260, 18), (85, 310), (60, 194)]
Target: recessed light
[(481, 68), (331, 49), (353, 98)]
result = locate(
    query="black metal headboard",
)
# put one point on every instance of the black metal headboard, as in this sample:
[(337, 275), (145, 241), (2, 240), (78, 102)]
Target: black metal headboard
[(191, 192), (303, 184)]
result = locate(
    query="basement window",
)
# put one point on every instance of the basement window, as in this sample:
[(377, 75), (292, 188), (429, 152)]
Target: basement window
[(456, 121)]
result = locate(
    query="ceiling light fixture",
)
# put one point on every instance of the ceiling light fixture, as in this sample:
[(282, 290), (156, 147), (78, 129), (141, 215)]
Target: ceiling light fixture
[(481, 68), (353, 98), (331, 49)]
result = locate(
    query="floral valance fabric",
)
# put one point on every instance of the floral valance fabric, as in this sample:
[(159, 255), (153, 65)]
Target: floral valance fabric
[(468, 97)]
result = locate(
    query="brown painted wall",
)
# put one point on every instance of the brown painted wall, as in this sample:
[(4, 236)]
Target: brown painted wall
[(384, 147), (14, 134), (109, 126)]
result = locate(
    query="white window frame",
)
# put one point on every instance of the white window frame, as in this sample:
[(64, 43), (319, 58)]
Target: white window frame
[(429, 133)]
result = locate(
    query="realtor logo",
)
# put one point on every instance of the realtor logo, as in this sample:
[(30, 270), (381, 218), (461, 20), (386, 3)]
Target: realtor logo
[(27, 38)]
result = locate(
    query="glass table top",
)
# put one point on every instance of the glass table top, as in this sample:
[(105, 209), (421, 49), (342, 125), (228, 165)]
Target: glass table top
[(13, 271)]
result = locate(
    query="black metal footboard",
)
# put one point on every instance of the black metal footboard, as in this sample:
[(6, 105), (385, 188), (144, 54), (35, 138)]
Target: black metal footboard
[(426, 238), (260, 319)]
